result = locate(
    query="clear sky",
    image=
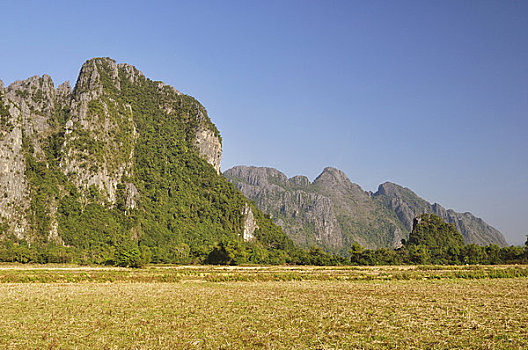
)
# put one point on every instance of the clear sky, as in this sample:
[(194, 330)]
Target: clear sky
[(432, 95)]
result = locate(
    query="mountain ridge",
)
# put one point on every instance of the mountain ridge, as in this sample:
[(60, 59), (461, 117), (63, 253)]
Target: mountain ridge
[(351, 215)]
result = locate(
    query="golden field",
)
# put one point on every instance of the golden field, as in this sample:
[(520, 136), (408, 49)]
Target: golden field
[(204, 307)]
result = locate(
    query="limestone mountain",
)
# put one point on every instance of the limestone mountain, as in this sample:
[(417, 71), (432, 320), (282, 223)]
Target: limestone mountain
[(333, 213), (120, 158)]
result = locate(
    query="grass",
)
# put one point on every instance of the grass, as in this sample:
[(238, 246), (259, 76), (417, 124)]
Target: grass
[(206, 307), (18, 273)]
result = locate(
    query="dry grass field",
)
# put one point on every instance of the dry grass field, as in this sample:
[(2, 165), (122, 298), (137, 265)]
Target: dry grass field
[(200, 307)]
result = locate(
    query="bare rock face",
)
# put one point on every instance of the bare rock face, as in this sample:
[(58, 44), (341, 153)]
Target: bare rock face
[(361, 219), (131, 196), (207, 140), (250, 224), (29, 116), (13, 185), (100, 133), (299, 181), (129, 71), (34, 100), (308, 218), (209, 147)]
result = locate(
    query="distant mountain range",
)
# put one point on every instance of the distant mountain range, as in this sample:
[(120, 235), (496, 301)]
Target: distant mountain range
[(332, 212)]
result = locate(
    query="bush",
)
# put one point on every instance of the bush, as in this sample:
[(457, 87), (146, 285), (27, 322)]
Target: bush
[(128, 254)]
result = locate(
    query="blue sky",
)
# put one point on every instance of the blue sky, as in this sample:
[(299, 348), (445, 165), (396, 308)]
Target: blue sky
[(432, 95)]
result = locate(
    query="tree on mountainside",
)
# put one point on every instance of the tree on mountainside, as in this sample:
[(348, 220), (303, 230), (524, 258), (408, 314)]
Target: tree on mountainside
[(441, 239), (431, 231), (227, 252), (356, 252)]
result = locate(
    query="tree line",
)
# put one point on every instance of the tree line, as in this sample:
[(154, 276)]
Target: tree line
[(431, 241)]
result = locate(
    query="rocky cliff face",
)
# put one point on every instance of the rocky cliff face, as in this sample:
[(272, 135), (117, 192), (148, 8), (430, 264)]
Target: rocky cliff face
[(100, 132), (101, 127), (307, 217), (332, 212), (13, 184), (364, 221), (120, 156), (209, 147), (31, 110), (250, 224), (407, 205)]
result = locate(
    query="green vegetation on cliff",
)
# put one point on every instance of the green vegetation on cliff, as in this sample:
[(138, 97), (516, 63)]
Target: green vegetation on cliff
[(440, 238), (120, 180)]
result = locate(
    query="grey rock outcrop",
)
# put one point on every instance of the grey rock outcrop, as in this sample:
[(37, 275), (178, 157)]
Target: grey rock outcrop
[(13, 185), (331, 212), (30, 108), (250, 224), (209, 147), (98, 129), (361, 219), (307, 217), (207, 141)]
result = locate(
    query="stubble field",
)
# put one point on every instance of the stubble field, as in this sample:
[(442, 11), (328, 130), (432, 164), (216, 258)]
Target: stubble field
[(267, 307)]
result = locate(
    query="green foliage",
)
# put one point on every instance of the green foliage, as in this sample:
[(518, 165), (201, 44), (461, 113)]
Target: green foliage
[(356, 252), (430, 233), (317, 256), (268, 234), (227, 253), (15, 250), (381, 256), (44, 180), (129, 254)]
